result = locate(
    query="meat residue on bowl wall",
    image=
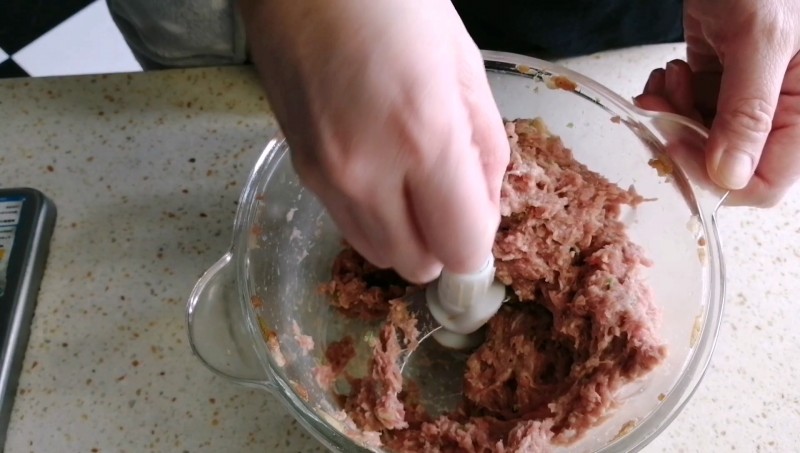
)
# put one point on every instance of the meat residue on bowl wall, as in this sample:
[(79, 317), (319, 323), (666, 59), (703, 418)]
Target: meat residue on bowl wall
[(562, 83), (584, 326), (662, 165), (305, 342)]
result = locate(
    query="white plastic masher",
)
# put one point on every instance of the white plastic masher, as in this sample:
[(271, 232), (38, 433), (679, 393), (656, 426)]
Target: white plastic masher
[(454, 307)]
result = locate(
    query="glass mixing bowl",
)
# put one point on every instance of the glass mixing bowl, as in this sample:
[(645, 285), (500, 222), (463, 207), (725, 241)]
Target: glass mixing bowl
[(242, 312)]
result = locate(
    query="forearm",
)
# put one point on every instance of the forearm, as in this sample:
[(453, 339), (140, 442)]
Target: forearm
[(278, 25)]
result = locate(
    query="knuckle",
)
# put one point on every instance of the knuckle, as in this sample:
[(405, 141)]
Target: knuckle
[(469, 59), (774, 31), (419, 151), (765, 201), (350, 180), (497, 154), (416, 134), (768, 198), (763, 194), (769, 202), (344, 177), (751, 116), (333, 166), (348, 173), (425, 151)]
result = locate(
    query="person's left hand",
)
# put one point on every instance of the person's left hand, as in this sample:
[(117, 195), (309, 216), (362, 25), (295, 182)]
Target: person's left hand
[(743, 80)]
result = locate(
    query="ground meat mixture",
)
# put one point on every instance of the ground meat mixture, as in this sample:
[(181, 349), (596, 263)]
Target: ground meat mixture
[(551, 362), (375, 403), (361, 290), (337, 356)]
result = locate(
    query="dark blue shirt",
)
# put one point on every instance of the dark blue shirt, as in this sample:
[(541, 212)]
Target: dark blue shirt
[(563, 28)]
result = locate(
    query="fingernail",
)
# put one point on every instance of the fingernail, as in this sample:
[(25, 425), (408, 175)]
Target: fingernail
[(671, 78), (734, 169), (655, 82)]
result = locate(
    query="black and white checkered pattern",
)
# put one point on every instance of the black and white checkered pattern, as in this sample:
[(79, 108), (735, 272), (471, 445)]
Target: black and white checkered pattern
[(60, 37)]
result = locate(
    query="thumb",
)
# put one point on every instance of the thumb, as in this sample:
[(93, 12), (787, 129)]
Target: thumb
[(751, 81)]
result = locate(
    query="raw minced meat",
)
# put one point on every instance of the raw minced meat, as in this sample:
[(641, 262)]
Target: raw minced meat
[(583, 326), (375, 402), (338, 355), (359, 289)]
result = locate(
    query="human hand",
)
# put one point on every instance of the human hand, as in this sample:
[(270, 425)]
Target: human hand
[(743, 80), (392, 124)]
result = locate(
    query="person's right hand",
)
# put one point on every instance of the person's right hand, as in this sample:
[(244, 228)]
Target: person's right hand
[(391, 122)]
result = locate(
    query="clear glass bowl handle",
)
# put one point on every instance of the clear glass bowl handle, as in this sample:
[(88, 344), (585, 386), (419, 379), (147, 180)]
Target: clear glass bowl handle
[(218, 332)]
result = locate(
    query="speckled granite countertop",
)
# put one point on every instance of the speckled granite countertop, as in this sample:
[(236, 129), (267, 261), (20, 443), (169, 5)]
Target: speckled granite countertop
[(145, 170)]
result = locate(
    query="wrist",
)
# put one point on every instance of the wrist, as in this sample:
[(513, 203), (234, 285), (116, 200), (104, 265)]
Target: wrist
[(272, 24)]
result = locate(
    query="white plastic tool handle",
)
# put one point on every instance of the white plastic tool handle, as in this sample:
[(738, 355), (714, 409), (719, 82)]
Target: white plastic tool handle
[(463, 303)]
